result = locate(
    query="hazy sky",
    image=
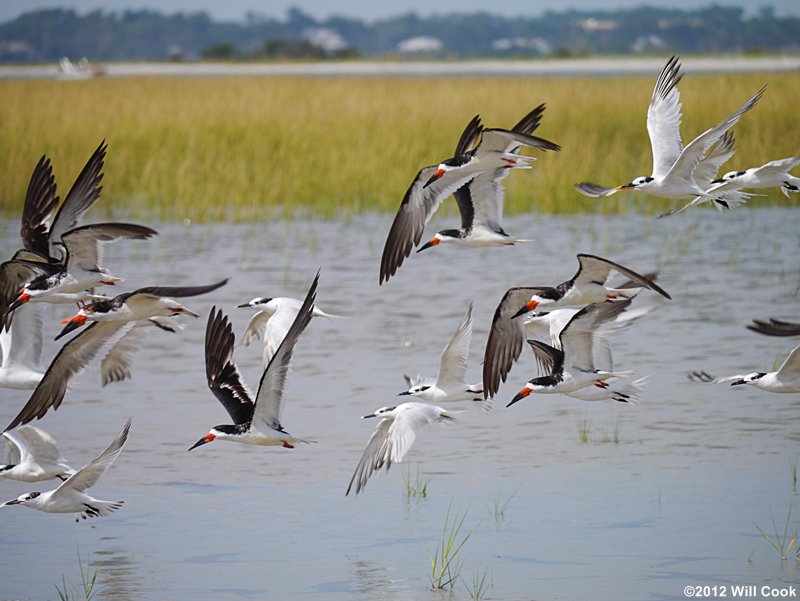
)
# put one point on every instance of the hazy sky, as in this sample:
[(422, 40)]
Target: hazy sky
[(369, 10)]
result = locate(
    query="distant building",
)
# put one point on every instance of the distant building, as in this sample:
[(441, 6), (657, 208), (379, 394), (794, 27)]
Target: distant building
[(592, 24), (536, 44), (420, 43), (324, 37)]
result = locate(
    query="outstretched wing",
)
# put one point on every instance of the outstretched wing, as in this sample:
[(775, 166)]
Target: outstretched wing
[(40, 202), (87, 476), (597, 269), (453, 362), (664, 119)]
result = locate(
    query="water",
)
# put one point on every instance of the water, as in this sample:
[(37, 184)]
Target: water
[(663, 495)]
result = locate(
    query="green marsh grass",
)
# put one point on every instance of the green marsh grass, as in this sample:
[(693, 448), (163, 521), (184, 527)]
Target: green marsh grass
[(584, 428), (782, 541), (416, 488), (87, 589), (239, 148), (482, 583), (446, 560), (501, 505)]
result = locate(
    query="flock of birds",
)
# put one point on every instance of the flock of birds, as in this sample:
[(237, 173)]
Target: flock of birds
[(568, 326)]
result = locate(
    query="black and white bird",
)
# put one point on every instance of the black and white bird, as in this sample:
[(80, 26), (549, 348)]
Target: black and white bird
[(450, 383), (33, 455), (272, 320), (574, 366), (775, 327), (112, 320), (255, 422), (393, 436), (674, 165), (71, 496), (480, 203), (785, 379)]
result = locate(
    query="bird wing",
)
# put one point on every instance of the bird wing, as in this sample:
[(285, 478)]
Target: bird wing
[(255, 328), (580, 336), (775, 327), (695, 150), (376, 454), (594, 190), (40, 202), (706, 378), (506, 339), (23, 340), (83, 194), (597, 269), (175, 291), (224, 378), (790, 370), (270, 388), (664, 119), (453, 362), (278, 326), (14, 276), (418, 205), (40, 444), (116, 365), (70, 361), (549, 358), (547, 328), (88, 475), (777, 168), (17, 449), (85, 244), (708, 167)]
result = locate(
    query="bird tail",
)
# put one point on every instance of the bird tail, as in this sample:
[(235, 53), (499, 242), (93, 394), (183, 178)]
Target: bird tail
[(320, 313), (627, 391), (99, 509)]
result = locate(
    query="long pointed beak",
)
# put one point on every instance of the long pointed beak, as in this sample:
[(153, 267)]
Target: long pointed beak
[(11, 502), (368, 416), (73, 323), (243, 305), (717, 181), (628, 186), (404, 393), (520, 395), (206, 439), (526, 308), (21, 300), (439, 173), (428, 244), (737, 383), (180, 310)]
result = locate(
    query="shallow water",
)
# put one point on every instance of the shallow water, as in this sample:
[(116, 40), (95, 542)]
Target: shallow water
[(663, 495)]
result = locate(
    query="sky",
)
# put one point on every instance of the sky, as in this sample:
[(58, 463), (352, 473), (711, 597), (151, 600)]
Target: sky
[(235, 10)]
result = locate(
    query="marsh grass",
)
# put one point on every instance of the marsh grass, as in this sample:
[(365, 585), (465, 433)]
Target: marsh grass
[(498, 510), (446, 560), (793, 474), (782, 541), (88, 581), (482, 583), (416, 488), (584, 428), (253, 148)]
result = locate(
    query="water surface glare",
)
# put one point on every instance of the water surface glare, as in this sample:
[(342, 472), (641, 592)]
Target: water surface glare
[(663, 495)]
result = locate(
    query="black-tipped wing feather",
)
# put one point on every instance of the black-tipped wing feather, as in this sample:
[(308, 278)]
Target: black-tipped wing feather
[(775, 327), (223, 376), (597, 269), (40, 202)]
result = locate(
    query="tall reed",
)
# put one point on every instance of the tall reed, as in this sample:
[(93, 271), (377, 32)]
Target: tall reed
[(248, 148)]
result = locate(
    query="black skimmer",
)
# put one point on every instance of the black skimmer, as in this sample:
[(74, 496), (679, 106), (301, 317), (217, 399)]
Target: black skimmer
[(574, 366), (785, 379), (70, 496), (116, 365), (255, 422), (112, 320), (673, 175), (81, 270), (480, 205), (393, 437), (450, 383), (273, 320), (775, 327), (33, 455)]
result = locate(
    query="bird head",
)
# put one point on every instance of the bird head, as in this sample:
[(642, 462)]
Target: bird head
[(748, 379), (22, 499), (636, 183)]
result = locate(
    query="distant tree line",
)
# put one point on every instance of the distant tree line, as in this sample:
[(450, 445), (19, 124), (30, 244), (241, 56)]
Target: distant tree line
[(46, 35)]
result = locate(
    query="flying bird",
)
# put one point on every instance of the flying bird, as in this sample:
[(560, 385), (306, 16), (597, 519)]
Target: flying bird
[(785, 380), (112, 320), (450, 383), (273, 319), (255, 422), (393, 436), (674, 165), (33, 455), (480, 207), (775, 327), (70, 496)]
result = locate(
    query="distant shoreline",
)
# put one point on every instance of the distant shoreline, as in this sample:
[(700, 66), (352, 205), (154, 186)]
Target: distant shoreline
[(601, 66)]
